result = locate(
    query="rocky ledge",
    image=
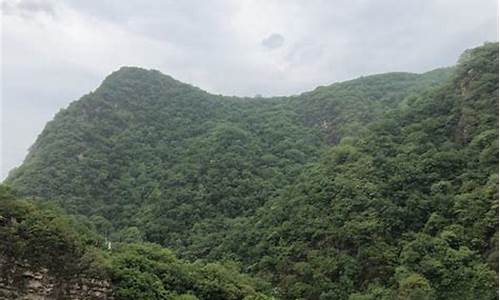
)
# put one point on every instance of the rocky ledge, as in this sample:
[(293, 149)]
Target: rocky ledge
[(19, 282)]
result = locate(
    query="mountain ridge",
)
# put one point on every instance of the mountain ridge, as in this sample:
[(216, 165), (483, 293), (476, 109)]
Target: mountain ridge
[(381, 187), (117, 87)]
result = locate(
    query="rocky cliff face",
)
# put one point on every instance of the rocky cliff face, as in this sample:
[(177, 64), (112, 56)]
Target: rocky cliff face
[(18, 281)]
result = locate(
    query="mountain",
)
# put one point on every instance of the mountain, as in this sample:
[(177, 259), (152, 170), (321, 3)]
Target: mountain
[(147, 154), (407, 210), (382, 187)]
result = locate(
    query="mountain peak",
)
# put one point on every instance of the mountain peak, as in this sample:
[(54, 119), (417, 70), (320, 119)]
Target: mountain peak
[(139, 78)]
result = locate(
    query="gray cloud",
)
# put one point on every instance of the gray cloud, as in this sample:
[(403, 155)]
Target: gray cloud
[(273, 41), (54, 51), (27, 8)]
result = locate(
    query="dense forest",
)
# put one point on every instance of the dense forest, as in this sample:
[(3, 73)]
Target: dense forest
[(382, 187)]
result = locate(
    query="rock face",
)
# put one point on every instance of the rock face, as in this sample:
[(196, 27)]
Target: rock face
[(19, 282)]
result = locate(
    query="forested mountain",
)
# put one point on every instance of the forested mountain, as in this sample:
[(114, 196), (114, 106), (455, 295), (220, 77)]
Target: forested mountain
[(148, 157), (382, 187), (41, 238)]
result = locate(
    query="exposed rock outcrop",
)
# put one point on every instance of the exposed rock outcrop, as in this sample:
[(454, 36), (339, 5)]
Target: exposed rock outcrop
[(18, 281)]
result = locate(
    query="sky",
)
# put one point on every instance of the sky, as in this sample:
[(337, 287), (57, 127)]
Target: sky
[(53, 52)]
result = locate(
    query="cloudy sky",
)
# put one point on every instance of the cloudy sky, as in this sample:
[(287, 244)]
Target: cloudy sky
[(55, 51)]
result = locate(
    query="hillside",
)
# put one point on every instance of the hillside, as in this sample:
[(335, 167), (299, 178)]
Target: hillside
[(46, 254), (408, 209), (149, 155), (382, 187)]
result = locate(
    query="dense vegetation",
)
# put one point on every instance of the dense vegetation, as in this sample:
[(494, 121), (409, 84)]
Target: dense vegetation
[(148, 158), (42, 236), (383, 187), (409, 209)]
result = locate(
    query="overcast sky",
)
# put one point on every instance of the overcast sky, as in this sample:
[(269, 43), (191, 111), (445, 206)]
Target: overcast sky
[(53, 52)]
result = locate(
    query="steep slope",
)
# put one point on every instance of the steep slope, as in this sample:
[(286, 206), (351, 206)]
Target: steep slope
[(46, 254), (146, 157), (345, 108), (408, 210)]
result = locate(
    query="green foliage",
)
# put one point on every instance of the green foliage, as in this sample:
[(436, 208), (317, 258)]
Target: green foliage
[(383, 187), (415, 287), (147, 271), (149, 153), (408, 209), (41, 236)]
